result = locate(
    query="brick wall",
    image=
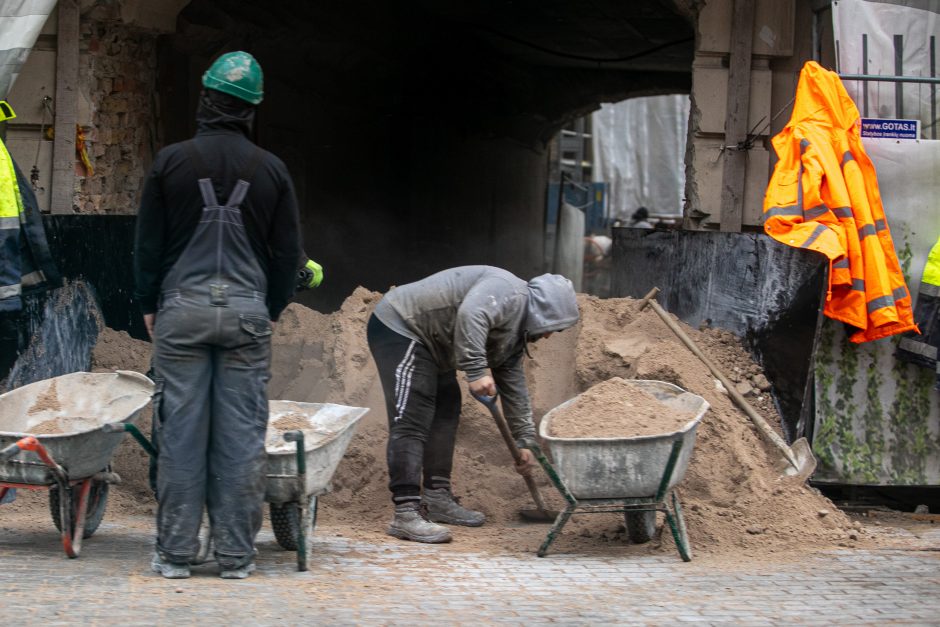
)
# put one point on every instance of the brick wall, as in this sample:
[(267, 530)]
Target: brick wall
[(117, 75)]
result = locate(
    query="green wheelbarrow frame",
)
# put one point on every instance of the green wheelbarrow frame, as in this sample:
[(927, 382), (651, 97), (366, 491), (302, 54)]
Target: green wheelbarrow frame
[(660, 502)]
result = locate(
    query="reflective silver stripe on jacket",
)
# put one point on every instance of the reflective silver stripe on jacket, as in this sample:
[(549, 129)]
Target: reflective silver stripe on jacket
[(33, 278), (9, 291)]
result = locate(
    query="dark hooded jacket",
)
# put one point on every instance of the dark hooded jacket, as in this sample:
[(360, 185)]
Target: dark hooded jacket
[(172, 205), (472, 318)]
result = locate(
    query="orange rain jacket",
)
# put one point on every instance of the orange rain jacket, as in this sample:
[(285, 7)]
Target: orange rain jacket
[(823, 196)]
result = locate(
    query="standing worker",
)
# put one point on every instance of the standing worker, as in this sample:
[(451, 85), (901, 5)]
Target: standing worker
[(217, 254), (470, 318)]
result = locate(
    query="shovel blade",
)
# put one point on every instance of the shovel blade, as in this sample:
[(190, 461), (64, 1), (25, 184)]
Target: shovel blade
[(538, 515), (804, 458)]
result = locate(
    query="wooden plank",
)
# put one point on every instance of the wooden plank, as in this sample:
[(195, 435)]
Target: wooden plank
[(66, 108), (739, 89)]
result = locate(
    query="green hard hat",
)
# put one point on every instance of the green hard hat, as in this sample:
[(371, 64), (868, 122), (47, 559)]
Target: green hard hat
[(236, 74)]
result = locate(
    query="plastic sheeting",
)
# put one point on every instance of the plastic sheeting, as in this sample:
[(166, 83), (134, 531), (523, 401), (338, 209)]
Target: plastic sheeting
[(20, 23), (639, 149), (894, 32)]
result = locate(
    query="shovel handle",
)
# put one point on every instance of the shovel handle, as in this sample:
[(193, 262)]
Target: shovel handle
[(762, 425), (490, 402)]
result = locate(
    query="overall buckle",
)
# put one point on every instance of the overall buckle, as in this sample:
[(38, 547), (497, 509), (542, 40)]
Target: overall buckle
[(218, 294)]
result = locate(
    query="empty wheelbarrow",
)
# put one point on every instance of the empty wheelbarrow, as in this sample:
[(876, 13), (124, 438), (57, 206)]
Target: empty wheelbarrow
[(636, 476), (305, 443), (54, 436)]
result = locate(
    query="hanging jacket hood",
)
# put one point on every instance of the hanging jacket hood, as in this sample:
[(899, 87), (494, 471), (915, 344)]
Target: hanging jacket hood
[(552, 305)]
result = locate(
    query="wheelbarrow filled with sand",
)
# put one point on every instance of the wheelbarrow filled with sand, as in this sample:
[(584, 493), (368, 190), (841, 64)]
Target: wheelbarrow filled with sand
[(56, 435), (623, 446), (304, 443)]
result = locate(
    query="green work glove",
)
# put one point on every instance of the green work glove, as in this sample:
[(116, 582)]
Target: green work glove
[(311, 274)]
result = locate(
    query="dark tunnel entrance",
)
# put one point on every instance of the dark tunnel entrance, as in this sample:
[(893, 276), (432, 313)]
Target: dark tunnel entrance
[(417, 133)]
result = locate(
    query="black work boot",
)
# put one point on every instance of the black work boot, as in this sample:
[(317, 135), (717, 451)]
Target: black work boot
[(410, 523), (443, 507)]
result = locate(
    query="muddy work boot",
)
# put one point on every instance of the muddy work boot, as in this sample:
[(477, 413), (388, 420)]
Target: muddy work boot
[(241, 572), (170, 570), (444, 507), (410, 523)]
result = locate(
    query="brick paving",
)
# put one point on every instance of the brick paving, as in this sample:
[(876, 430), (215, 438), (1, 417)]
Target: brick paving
[(365, 582)]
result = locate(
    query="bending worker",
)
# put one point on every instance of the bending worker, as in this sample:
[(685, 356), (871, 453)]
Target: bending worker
[(216, 257), (477, 319)]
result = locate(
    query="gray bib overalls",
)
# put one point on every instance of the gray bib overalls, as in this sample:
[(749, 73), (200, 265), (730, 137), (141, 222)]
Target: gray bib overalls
[(212, 353)]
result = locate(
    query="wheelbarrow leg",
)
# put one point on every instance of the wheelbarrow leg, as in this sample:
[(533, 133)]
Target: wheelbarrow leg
[(302, 501), (556, 528), (677, 525), (72, 536), (71, 539)]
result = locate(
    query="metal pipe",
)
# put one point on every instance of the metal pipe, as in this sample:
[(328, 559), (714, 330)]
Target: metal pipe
[(930, 80), (933, 88), (865, 71), (899, 71)]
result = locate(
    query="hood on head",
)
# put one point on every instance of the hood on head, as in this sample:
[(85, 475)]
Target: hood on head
[(553, 305), (218, 111)]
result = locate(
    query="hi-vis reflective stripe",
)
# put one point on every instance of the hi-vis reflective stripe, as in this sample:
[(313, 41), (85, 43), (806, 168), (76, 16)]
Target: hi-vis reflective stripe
[(842, 263), (865, 231), (880, 224), (9, 222), (819, 230), (815, 212), (911, 345), (792, 210), (9, 291), (843, 212), (858, 285), (888, 300), (33, 278), (929, 290)]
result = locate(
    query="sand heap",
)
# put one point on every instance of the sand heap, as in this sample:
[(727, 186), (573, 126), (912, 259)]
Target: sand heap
[(733, 497)]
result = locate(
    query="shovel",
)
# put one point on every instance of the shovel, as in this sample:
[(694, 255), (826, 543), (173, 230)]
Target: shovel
[(798, 459), (540, 514)]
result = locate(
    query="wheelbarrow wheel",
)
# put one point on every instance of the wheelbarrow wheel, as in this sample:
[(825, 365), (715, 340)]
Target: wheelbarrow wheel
[(285, 520), (641, 526), (94, 511)]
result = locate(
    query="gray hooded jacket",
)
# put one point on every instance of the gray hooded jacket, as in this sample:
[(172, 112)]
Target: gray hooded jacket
[(476, 317)]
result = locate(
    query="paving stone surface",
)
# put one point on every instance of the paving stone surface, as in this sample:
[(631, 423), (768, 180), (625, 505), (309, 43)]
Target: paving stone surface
[(360, 582)]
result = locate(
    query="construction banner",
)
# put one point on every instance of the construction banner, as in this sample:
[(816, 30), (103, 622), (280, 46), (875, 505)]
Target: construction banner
[(890, 38)]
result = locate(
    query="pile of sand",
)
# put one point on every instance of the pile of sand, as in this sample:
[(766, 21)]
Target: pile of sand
[(734, 499)]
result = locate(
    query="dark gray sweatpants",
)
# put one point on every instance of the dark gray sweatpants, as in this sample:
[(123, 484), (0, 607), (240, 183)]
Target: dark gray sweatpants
[(212, 368)]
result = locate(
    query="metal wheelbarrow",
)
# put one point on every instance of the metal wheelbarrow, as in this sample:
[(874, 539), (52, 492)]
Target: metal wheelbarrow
[(636, 476), (54, 436), (301, 461), (300, 473)]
